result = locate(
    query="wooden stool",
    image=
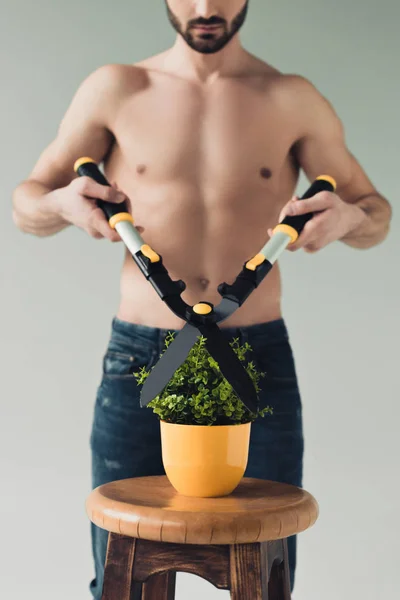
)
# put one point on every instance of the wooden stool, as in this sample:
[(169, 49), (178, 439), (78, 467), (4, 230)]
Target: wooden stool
[(237, 543)]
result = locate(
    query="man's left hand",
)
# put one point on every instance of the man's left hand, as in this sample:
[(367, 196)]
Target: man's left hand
[(333, 220)]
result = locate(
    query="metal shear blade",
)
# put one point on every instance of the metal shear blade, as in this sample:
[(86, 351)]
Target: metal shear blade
[(170, 361), (218, 347)]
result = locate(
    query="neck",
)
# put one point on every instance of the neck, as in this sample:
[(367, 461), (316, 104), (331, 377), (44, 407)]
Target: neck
[(206, 68)]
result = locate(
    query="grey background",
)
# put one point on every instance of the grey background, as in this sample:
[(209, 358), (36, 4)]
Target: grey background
[(58, 296)]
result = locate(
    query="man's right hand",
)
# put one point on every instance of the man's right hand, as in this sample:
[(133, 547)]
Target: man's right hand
[(76, 204)]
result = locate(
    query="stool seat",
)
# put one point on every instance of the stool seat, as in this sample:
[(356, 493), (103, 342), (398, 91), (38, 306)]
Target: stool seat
[(149, 508)]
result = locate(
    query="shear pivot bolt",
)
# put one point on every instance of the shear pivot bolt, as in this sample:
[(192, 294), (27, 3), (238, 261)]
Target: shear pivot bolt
[(202, 309)]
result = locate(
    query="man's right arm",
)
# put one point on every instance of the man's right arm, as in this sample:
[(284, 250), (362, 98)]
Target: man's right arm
[(39, 201)]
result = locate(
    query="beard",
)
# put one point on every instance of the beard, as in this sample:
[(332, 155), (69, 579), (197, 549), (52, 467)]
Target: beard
[(208, 43)]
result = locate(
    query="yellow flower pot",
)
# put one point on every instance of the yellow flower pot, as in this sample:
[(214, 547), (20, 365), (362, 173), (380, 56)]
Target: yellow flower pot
[(205, 461)]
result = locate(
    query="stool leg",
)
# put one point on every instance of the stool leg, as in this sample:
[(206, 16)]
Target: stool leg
[(160, 587), (249, 572), (278, 565), (118, 571)]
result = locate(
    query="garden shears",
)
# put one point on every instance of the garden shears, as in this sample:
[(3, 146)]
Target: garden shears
[(202, 318)]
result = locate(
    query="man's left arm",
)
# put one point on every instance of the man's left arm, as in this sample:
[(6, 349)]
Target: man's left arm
[(356, 214)]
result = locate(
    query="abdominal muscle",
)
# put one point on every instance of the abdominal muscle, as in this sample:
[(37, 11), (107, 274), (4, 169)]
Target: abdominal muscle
[(141, 304), (204, 243)]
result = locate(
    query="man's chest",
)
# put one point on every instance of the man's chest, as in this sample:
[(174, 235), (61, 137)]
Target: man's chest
[(224, 137)]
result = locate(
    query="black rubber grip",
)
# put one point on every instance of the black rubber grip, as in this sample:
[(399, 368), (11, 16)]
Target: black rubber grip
[(298, 221), (90, 169)]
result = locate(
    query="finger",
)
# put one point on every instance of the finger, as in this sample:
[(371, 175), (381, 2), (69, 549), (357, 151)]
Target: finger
[(112, 235), (127, 199), (319, 243), (287, 206), (100, 224), (314, 233), (115, 237), (94, 234), (311, 249), (92, 189), (116, 186), (104, 228), (319, 202), (110, 194), (308, 235)]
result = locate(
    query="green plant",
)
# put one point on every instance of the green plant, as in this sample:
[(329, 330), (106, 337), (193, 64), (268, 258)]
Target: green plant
[(198, 393)]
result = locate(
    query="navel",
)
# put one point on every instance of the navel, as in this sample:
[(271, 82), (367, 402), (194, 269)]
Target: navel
[(265, 173), (204, 283)]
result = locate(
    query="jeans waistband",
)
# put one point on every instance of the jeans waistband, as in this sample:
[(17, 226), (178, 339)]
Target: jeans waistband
[(268, 332)]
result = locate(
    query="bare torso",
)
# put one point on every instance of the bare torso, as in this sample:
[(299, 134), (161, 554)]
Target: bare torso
[(207, 169)]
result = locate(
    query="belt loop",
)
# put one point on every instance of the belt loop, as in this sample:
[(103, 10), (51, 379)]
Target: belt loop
[(161, 341)]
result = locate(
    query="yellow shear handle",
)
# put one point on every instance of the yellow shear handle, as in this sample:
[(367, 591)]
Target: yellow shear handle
[(114, 213), (293, 225)]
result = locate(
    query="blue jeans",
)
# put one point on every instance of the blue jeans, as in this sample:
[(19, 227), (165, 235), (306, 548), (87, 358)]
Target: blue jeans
[(125, 439)]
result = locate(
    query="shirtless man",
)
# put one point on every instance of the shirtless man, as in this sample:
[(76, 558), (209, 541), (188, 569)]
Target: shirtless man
[(205, 142)]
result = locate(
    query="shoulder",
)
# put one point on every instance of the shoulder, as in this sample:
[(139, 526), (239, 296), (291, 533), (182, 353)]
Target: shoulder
[(287, 88), (307, 104), (104, 91), (306, 94), (292, 88), (116, 78)]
